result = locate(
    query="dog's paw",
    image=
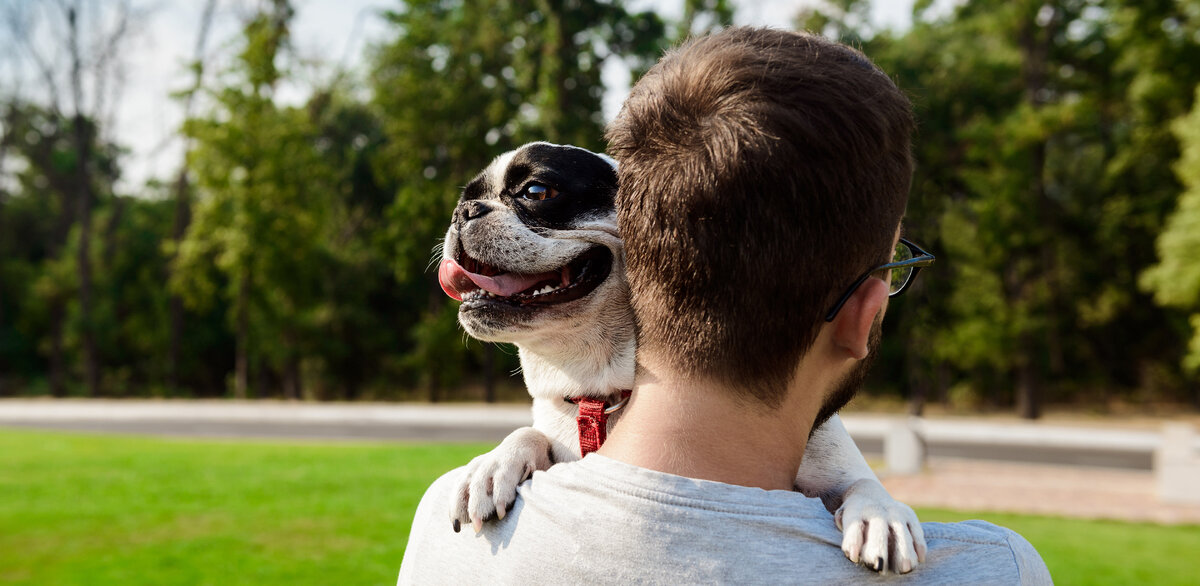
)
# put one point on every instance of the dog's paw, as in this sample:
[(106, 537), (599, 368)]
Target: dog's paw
[(489, 486), (879, 532)]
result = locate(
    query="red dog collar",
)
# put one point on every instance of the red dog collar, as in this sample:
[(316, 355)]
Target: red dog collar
[(593, 421)]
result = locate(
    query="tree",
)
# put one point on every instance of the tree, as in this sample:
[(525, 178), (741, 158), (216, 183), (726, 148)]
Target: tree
[(91, 65), (46, 179), (1043, 171), (1175, 280), (183, 190), (263, 215)]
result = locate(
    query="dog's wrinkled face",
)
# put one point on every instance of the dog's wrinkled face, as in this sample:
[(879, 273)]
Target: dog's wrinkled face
[(533, 241)]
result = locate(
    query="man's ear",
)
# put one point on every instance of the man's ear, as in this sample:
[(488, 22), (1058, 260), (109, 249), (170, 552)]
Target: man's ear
[(852, 326)]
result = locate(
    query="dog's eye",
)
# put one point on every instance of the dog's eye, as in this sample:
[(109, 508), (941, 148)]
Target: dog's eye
[(539, 192)]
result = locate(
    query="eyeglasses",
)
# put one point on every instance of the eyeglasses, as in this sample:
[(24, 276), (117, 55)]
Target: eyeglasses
[(906, 263)]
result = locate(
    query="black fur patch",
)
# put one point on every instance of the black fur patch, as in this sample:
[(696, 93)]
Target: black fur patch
[(586, 185)]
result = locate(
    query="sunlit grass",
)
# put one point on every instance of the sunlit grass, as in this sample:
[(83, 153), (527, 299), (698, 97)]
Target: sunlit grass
[(89, 509), (1101, 552), (80, 509)]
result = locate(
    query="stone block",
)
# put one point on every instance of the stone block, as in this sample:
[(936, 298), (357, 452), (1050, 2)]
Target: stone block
[(903, 449), (1177, 466)]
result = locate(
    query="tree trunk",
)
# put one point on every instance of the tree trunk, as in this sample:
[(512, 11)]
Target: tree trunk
[(291, 379), (291, 369), (174, 345), (260, 379), (242, 363), (182, 218), (919, 383), (552, 102), (1035, 41), (183, 203), (83, 163), (57, 370), (91, 366), (435, 386), (1028, 395), (3, 366)]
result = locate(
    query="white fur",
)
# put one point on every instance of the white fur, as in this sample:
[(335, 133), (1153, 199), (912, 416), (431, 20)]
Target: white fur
[(586, 348)]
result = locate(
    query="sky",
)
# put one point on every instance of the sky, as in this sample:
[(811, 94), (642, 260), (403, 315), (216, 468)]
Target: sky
[(146, 119)]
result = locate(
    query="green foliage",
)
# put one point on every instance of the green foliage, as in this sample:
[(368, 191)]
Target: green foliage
[(40, 312), (1175, 280), (265, 212), (843, 20), (1056, 180), (1043, 175)]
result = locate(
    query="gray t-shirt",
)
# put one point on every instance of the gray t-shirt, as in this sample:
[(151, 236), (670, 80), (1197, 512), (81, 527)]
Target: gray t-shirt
[(603, 521)]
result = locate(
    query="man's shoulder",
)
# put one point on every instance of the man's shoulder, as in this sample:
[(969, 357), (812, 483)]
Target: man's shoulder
[(704, 531), (438, 493), (973, 531), (444, 483), (972, 547), (424, 538)]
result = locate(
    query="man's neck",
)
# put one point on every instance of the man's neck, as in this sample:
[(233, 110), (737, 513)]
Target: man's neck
[(699, 430)]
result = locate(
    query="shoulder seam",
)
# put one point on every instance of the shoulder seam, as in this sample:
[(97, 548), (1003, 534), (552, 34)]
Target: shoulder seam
[(1012, 551)]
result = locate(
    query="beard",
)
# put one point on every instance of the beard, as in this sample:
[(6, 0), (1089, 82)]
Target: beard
[(846, 388)]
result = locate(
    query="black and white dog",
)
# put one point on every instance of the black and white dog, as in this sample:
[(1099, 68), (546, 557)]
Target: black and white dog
[(534, 255)]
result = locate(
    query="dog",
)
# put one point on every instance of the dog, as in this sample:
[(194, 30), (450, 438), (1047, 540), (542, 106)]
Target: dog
[(534, 255)]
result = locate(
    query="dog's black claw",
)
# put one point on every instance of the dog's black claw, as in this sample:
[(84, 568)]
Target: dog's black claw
[(456, 525), (878, 565)]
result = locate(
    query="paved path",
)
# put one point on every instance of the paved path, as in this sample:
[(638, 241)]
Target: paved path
[(1032, 468), (271, 419), (955, 438), (1039, 489)]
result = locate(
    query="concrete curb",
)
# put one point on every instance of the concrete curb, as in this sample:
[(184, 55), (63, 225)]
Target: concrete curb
[(19, 410), (1032, 435), (871, 429)]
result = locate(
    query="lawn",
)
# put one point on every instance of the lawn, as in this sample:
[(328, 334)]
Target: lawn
[(88, 509)]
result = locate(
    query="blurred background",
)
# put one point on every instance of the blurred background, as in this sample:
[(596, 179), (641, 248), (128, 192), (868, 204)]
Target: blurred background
[(241, 199)]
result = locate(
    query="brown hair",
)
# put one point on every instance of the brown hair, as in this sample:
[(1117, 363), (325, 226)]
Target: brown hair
[(761, 171)]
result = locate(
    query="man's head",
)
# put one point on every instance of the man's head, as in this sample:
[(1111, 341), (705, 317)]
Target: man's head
[(761, 172)]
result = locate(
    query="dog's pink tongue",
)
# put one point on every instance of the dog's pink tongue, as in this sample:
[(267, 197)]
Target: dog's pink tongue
[(456, 280)]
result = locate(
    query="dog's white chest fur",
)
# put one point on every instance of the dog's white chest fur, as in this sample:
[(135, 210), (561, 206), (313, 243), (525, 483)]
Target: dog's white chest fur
[(603, 371)]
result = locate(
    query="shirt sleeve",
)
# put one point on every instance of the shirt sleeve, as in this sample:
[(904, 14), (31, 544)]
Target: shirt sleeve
[(1030, 565)]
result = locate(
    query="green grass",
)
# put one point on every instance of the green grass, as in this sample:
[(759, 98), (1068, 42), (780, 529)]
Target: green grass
[(91, 509), (1101, 552), (83, 509)]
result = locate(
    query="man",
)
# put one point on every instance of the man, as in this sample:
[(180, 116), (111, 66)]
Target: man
[(762, 173)]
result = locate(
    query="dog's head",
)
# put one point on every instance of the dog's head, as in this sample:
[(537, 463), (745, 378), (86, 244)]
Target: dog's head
[(533, 241)]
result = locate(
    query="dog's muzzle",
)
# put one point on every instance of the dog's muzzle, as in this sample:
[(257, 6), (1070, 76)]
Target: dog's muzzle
[(469, 280)]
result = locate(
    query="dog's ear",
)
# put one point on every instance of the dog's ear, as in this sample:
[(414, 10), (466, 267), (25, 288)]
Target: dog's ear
[(608, 159)]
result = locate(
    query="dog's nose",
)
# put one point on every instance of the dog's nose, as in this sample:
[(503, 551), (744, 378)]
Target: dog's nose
[(473, 209)]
